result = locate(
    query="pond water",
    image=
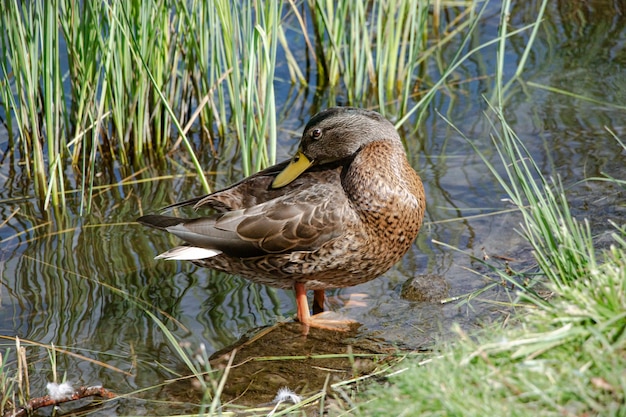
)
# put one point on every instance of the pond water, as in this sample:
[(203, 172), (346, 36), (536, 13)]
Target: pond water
[(84, 283)]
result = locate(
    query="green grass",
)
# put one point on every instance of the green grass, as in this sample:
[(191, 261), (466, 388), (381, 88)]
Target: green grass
[(559, 356), (136, 73), (133, 92), (376, 52), (371, 56), (102, 86)]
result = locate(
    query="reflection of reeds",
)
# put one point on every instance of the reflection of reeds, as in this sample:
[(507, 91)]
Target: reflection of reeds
[(99, 85)]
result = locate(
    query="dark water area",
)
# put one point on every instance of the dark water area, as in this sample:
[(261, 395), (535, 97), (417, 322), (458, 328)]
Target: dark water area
[(84, 283)]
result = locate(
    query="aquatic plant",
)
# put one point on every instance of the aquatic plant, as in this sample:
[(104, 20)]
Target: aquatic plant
[(91, 87)]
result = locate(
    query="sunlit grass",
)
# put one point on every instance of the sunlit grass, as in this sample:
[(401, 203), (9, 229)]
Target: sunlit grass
[(135, 74), (246, 53)]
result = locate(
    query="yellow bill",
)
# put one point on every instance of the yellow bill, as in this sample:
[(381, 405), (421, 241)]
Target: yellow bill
[(299, 163)]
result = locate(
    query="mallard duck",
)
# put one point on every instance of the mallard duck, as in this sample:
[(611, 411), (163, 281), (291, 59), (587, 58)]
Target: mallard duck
[(341, 212)]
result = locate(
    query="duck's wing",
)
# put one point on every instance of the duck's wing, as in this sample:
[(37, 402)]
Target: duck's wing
[(245, 193), (296, 221)]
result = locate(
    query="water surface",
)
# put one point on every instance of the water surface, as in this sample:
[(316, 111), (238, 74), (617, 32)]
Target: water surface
[(84, 282)]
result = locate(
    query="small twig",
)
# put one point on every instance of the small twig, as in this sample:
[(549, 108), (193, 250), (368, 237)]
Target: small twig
[(47, 400)]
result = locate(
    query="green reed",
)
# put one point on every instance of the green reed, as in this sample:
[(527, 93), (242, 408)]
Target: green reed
[(89, 86), (35, 91), (376, 50), (131, 70), (246, 54)]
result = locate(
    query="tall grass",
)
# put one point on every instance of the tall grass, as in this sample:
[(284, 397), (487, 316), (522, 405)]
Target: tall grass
[(371, 48), (135, 73), (102, 86), (246, 52), (36, 92), (563, 246)]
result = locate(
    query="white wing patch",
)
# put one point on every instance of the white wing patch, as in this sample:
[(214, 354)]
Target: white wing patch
[(188, 253)]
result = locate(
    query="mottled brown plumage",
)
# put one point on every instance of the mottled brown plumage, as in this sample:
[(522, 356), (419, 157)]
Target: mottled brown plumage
[(342, 212)]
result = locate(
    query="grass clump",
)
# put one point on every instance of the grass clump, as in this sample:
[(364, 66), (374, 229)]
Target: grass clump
[(371, 47), (567, 359)]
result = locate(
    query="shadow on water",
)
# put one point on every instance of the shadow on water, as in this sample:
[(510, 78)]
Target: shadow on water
[(85, 283)]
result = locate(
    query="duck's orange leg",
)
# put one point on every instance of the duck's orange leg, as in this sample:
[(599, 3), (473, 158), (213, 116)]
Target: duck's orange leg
[(304, 315), (319, 320)]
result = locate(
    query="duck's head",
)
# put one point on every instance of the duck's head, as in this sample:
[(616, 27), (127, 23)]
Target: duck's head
[(334, 134)]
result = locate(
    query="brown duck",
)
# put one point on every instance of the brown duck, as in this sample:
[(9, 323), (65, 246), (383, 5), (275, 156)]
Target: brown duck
[(344, 210)]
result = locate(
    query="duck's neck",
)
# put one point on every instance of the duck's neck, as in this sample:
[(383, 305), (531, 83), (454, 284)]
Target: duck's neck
[(379, 177), (387, 195)]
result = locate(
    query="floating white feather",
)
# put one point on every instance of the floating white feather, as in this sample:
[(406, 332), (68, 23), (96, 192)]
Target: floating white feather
[(59, 391), (285, 394)]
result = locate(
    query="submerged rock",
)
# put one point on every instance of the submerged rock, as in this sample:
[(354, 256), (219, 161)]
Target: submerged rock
[(425, 288)]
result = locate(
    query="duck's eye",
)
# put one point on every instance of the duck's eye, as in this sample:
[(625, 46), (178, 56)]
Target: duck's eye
[(316, 133)]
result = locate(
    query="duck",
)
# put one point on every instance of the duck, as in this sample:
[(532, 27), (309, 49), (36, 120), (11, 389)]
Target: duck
[(342, 211)]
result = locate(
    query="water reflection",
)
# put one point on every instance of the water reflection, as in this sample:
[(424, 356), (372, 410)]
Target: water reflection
[(85, 283)]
